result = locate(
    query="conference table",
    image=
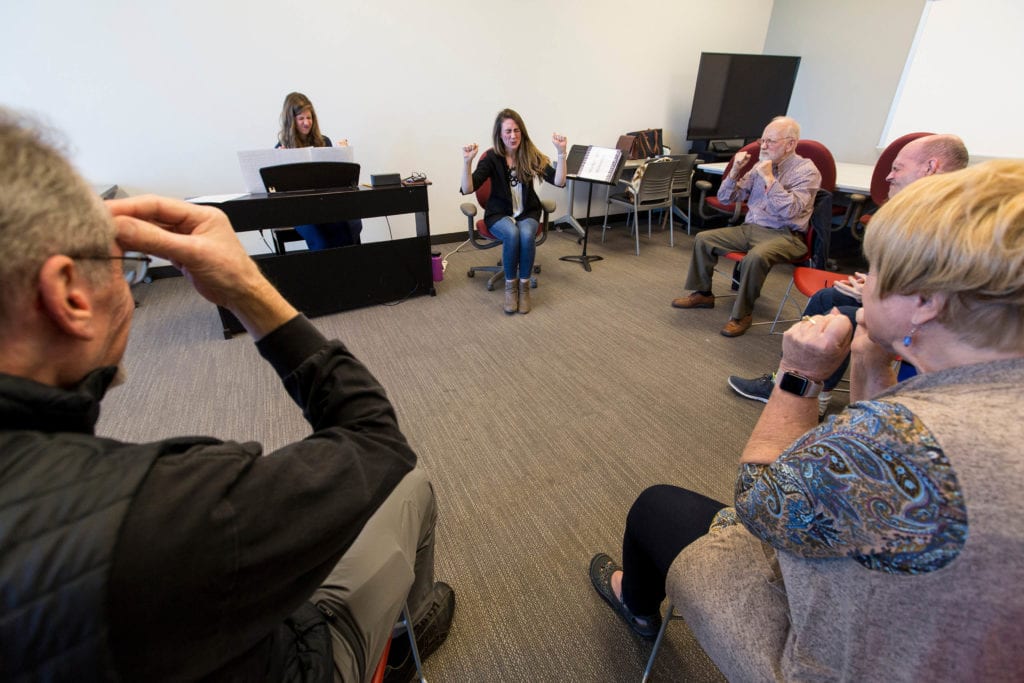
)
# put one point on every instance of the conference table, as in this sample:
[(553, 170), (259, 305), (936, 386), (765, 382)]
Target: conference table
[(850, 178), (341, 279)]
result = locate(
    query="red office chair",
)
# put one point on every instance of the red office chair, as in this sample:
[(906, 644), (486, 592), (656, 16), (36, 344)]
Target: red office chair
[(879, 187), (808, 281), (735, 211), (809, 149), (822, 158), (820, 221), (481, 238)]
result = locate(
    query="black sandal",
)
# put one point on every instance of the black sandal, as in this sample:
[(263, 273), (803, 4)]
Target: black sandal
[(601, 569)]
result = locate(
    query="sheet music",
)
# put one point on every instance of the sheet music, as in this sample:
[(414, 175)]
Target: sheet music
[(600, 164), (252, 161)]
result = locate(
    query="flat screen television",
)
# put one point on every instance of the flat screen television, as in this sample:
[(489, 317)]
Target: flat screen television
[(737, 95)]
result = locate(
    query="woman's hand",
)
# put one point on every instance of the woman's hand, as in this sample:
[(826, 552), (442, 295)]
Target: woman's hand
[(871, 366), (816, 345), (469, 151), (343, 142), (852, 286), (560, 142)]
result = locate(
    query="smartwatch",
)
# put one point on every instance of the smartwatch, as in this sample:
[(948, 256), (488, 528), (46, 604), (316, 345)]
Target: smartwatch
[(800, 385)]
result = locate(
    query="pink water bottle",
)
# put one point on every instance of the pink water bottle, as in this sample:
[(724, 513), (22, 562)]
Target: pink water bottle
[(438, 267)]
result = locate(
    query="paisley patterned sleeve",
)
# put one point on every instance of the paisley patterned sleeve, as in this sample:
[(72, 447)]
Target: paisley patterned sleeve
[(871, 483)]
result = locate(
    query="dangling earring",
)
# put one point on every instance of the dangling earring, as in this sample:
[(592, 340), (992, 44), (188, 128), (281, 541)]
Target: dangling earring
[(909, 338)]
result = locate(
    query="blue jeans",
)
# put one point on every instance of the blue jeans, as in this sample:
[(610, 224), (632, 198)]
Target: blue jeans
[(822, 302), (517, 246)]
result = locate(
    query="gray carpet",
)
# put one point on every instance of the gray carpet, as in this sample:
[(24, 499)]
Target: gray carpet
[(538, 432)]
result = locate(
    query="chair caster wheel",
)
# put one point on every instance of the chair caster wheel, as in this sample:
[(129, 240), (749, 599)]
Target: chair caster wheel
[(490, 287), (536, 269), (471, 273)]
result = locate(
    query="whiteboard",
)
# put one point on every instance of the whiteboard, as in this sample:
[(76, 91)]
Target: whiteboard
[(963, 76)]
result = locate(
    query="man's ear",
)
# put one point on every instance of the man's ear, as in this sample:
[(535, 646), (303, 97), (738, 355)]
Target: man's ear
[(66, 297)]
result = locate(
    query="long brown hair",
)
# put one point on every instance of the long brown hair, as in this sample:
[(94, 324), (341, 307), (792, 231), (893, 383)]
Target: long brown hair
[(294, 104), (530, 162)]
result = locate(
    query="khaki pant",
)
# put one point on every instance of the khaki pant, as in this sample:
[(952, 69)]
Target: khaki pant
[(764, 246), (390, 562)]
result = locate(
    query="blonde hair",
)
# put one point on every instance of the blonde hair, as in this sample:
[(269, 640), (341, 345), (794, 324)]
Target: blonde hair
[(960, 234), (530, 161)]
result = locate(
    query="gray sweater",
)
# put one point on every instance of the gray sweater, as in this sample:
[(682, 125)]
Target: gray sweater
[(776, 606)]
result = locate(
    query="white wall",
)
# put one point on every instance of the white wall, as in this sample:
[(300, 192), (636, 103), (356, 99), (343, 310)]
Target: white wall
[(970, 92), (853, 55), (158, 96)]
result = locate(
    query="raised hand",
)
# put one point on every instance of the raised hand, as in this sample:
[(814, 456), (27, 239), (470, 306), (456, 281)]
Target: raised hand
[(763, 168), (816, 345), (560, 142), (737, 164), (199, 241), (469, 151)]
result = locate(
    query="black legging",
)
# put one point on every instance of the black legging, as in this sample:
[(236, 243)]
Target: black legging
[(663, 520)]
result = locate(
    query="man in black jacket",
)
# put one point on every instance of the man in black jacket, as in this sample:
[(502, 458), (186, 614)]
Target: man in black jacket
[(185, 558)]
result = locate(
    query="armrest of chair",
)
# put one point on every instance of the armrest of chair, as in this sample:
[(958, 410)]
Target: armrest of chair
[(468, 210), (704, 186), (548, 206)]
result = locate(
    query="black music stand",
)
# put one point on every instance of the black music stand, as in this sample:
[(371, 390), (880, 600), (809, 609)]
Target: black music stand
[(598, 165)]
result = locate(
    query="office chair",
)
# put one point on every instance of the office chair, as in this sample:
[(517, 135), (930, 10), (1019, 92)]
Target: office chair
[(818, 250), (481, 238), (736, 210), (820, 222), (809, 149), (808, 281), (682, 186), (856, 219), (654, 192), (404, 621)]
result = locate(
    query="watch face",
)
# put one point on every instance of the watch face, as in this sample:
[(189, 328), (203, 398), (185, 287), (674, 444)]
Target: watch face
[(794, 384)]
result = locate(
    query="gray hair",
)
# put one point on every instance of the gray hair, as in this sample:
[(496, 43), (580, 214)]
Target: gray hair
[(46, 208)]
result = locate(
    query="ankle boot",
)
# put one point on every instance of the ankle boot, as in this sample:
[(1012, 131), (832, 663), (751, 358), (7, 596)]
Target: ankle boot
[(511, 297), (524, 296)]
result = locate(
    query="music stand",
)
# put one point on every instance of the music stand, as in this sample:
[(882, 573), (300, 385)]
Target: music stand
[(572, 167), (599, 165)]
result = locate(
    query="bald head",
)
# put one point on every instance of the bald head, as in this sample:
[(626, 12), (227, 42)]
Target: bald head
[(924, 157)]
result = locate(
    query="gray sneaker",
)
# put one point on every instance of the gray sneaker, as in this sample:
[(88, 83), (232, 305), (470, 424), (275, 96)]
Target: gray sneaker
[(758, 389)]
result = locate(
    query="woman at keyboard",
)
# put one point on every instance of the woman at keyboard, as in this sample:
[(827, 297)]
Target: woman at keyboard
[(513, 209), (300, 128)]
